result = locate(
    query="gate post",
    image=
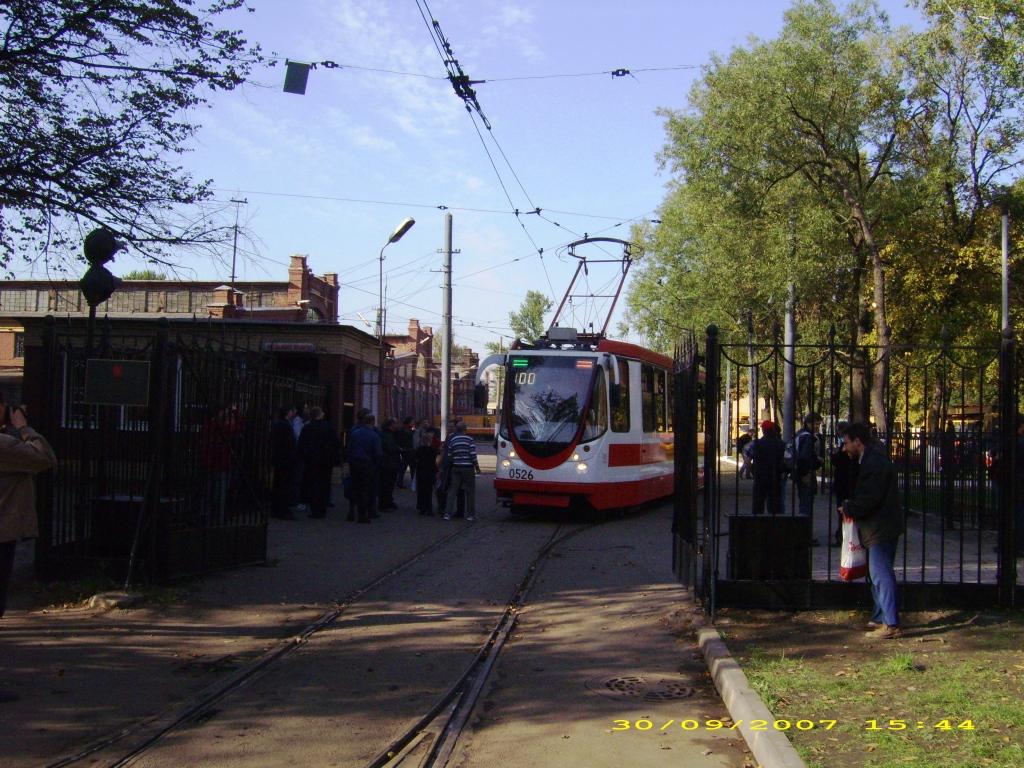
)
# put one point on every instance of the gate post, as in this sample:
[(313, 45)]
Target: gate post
[(50, 403), (1008, 481), (684, 506), (710, 537)]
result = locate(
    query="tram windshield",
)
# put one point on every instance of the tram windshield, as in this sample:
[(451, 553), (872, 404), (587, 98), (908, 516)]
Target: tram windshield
[(550, 395)]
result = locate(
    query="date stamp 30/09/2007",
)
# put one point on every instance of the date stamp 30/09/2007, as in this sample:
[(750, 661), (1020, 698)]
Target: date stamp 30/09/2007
[(644, 724)]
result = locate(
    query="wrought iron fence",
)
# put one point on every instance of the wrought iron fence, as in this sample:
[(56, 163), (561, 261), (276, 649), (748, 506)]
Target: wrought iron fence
[(175, 487), (946, 416)]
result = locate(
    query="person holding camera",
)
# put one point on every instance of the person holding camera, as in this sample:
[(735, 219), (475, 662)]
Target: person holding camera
[(23, 453)]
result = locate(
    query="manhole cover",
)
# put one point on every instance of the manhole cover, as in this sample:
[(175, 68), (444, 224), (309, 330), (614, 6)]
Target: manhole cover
[(641, 687)]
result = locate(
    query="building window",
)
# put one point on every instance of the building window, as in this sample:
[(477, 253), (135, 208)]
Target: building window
[(19, 300), (200, 301), (127, 301), (19, 345), (177, 302), (65, 301)]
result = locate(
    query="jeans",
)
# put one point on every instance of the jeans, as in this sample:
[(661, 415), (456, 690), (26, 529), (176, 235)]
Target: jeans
[(881, 557)]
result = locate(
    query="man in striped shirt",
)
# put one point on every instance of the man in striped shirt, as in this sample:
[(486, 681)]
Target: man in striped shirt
[(461, 454)]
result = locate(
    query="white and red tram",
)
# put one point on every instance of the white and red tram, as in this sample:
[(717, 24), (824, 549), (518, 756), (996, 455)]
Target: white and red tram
[(584, 420)]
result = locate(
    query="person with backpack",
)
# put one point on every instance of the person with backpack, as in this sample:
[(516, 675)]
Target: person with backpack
[(804, 460)]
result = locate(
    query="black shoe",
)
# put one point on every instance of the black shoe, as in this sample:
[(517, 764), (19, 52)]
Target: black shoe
[(365, 521)]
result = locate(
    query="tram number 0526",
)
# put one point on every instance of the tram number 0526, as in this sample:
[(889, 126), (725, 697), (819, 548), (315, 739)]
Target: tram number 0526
[(520, 474)]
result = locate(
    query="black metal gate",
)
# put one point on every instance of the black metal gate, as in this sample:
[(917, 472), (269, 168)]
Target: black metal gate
[(947, 417), (175, 487)]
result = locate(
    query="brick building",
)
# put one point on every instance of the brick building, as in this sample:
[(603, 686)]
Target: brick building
[(293, 320)]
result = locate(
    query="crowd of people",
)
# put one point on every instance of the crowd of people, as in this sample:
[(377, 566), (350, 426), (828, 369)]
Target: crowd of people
[(375, 462)]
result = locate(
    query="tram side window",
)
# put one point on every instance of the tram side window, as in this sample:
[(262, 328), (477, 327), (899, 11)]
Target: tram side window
[(647, 391), (597, 414), (670, 400), (659, 399), (620, 413)]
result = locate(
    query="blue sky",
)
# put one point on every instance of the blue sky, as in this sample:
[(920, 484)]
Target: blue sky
[(585, 145)]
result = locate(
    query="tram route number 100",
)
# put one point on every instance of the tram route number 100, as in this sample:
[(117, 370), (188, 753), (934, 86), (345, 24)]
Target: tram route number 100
[(525, 377)]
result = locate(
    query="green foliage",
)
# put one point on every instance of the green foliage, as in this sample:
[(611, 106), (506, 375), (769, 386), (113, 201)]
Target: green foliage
[(527, 323), (96, 99), (143, 274), (856, 161)]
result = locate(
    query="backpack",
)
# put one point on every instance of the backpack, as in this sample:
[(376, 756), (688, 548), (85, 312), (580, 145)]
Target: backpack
[(799, 456)]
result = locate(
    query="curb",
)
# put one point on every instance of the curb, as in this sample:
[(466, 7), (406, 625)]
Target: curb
[(770, 748)]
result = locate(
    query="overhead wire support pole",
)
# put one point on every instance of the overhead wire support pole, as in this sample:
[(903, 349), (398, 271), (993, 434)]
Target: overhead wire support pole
[(446, 335), (234, 246)]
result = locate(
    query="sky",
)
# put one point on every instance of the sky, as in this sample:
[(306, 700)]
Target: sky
[(331, 173)]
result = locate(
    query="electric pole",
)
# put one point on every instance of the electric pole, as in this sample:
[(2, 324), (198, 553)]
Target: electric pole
[(234, 246), (446, 334)]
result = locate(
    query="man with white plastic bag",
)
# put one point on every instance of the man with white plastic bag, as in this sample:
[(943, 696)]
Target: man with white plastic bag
[(875, 509)]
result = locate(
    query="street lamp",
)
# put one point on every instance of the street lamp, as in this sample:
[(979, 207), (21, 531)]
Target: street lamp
[(397, 235)]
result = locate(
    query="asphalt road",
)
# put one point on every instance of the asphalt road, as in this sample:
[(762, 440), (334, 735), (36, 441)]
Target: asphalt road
[(604, 637)]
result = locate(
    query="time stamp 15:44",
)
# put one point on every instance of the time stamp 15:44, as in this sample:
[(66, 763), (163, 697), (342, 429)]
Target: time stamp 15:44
[(646, 724)]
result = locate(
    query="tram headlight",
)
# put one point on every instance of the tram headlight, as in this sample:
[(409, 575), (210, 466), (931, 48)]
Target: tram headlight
[(575, 457), (506, 464), (511, 454), (581, 467)]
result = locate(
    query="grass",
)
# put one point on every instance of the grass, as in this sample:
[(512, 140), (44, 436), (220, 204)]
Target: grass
[(933, 708)]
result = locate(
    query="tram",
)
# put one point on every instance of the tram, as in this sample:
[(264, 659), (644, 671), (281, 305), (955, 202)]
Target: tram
[(585, 420)]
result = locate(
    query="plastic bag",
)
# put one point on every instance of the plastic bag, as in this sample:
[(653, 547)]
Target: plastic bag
[(853, 558)]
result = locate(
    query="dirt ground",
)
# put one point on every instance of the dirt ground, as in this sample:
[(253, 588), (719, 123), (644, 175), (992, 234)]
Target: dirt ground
[(948, 693)]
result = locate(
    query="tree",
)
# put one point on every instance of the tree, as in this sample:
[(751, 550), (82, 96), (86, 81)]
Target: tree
[(527, 323), (97, 101), (143, 274), (823, 108)]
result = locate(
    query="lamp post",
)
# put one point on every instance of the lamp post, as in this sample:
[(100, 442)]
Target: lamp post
[(397, 235), (1004, 204)]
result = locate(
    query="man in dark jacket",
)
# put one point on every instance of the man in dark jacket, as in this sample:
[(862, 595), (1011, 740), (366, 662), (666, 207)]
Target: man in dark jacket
[(875, 507), (767, 454), (364, 455), (283, 456), (319, 448)]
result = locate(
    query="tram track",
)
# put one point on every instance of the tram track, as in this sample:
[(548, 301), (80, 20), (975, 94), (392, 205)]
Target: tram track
[(153, 729), (431, 740)]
